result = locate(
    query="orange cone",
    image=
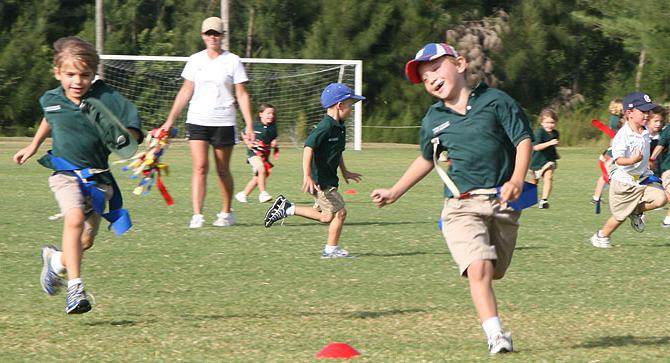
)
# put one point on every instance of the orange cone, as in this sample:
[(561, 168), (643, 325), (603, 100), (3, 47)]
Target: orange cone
[(337, 351), (351, 191)]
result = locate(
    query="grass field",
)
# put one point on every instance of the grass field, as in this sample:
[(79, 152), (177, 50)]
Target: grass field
[(251, 294)]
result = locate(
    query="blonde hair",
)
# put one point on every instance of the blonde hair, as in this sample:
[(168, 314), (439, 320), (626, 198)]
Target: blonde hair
[(616, 107), (548, 112), (78, 49)]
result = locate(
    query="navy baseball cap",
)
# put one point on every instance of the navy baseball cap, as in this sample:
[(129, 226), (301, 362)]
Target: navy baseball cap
[(429, 52), (639, 100), (337, 92)]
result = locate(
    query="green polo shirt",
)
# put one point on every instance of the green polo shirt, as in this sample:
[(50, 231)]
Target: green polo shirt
[(539, 158), (74, 138), (265, 133), (481, 143), (327, 139), (663, 159)]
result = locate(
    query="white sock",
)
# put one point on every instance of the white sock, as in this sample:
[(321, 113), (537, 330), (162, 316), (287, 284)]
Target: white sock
[(491, 327), (55, 263), (290, 210), (329, 248), (73, 282), (600, 234), (595, 198)]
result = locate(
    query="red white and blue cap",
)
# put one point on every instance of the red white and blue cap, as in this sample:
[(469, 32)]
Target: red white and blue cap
[(429, 52), (337, 92), (639, 100)]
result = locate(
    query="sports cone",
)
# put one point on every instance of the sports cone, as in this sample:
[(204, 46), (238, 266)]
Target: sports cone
[(351, 191), (337, 351)]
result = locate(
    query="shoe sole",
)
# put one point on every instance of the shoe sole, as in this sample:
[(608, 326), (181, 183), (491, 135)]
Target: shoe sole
[(45, 269), (84, 306), (665, 225)]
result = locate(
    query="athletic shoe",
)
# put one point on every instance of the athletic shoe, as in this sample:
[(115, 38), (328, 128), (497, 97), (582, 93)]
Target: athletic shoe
[(594, 200), (637, 221), (49, 279), (241, 197), (277, 211), (76, 301), (197, 221), (501, 343), (664, 225), (264, 197), (600, 242), (56, 216), (224, 219), (544, 204), (337, 253)]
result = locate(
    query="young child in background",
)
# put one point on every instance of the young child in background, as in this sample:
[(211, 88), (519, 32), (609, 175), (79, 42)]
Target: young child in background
[(660, 156), (543, 159), (654, 125), (629, 195), (478, 225), (321, 157), (615, 109), (258, 153), (76, 142)]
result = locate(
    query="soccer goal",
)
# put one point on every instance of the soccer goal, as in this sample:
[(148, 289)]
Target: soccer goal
[(292, 85)]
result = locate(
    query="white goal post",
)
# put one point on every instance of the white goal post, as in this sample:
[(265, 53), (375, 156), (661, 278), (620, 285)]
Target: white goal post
[(292, 85)]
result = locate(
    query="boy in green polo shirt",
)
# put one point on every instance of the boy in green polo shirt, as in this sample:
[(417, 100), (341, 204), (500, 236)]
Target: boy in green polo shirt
[(81, 181), (321, 158), (488, 140), (544, 156)]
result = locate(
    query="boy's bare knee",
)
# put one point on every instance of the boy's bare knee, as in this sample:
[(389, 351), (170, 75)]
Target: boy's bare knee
[(341, 214), (87, 241), (326, 217)]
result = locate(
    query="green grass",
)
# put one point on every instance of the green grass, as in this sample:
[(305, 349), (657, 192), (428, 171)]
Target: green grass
[(251, 294)]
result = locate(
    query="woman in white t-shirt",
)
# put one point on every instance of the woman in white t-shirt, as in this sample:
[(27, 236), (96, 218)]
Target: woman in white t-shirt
[(213, 80)]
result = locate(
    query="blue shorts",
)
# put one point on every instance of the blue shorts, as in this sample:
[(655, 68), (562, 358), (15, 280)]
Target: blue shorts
[(217, 136)]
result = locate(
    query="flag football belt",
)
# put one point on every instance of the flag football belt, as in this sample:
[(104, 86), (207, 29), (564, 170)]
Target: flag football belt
[(527, 198), (118, 217)]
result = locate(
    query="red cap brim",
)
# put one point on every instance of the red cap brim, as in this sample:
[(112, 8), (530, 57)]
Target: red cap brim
[(411, 72)]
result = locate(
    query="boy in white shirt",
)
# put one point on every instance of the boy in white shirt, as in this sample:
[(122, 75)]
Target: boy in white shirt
[(630, 195)]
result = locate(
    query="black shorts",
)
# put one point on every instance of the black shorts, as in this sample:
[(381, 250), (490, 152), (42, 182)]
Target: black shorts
[(217, 136)]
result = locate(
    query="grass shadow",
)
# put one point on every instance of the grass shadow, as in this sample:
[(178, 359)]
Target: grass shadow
[(116, 322), (400, 254), (622, 340)]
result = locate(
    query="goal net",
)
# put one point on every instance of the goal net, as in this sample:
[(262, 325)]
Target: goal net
[(293, 86)]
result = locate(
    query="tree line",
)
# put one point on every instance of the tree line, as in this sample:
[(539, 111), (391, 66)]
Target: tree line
[(575, 55)]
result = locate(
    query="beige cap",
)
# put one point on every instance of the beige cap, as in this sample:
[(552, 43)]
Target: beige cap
[(212, 23)]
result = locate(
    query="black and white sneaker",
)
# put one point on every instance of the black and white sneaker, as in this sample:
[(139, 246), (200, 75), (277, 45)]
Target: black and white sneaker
[(277, 211)]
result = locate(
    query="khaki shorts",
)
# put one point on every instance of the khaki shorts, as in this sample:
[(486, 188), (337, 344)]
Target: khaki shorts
[(329, 201), (537, 174), (666, 180), (256, 164), (68, 195), (624, 198), (479, 229)]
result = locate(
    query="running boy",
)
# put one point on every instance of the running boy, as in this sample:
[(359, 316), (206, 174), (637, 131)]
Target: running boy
[(79, 159), (543, 159), (321, 157), (487, 138), (258, 153), (629, 195)]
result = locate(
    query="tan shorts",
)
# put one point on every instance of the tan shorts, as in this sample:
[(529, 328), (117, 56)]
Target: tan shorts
[(329, 201), (256, 164), (665, 177), (478, 229), (68, 195), (537, 174), (624, 198)]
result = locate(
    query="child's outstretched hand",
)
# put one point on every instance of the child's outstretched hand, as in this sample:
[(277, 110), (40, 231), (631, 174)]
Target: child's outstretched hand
[(510, 191), (308, 185), (636, 155), (351, 175), (23, 155), (382, 197)]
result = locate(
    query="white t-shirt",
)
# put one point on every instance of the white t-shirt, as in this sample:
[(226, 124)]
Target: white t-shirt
[(623, 144), (213, 100)]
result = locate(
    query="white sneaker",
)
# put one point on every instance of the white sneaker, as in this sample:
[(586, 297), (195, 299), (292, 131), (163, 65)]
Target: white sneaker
[(241, 197), (197, 221), (637, 221), (600, 242), (264, 197), (501, 343), (224, 219)]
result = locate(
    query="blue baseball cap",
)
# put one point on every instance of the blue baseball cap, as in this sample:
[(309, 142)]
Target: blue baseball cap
[(429, 52), (639, 100), (337, 92)]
